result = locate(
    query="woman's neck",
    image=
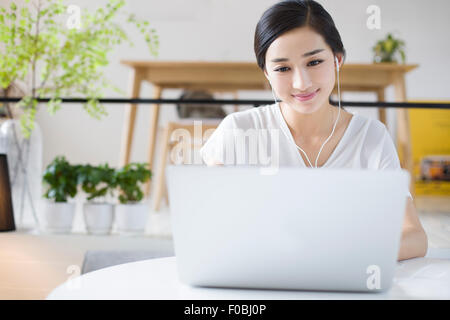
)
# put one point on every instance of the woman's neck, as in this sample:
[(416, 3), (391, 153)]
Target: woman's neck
[(310, 128)]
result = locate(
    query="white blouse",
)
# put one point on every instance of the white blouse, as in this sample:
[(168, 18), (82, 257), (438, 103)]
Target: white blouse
[(260, 136)]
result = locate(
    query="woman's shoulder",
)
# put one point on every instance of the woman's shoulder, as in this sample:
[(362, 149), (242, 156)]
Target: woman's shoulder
[(368, 125), (370, 132)]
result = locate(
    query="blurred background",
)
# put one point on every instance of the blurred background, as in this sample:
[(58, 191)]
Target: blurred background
[(217, 30), (223, 31)]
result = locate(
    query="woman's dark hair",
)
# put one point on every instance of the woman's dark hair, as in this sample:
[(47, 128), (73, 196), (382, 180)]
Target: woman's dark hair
[(290, 14)]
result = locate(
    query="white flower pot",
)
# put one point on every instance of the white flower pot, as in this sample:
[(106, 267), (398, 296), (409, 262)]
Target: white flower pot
[(58, 216), (98, 217), (131, 218)]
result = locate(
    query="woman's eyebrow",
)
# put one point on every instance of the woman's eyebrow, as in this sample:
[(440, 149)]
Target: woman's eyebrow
[(311, 53)]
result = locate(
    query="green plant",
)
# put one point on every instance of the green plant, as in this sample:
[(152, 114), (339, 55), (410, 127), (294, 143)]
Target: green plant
[(127, 180), (51, 58), (96, 181), (386, 50), (61, 178)]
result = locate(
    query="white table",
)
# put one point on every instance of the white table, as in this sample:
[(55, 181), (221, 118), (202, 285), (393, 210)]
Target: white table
[(157, 279)]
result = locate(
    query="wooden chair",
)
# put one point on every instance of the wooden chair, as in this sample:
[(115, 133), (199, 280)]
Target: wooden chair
[(190, 132), (205, 130)]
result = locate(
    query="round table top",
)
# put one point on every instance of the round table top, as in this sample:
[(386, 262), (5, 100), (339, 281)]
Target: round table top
[(157, 279)]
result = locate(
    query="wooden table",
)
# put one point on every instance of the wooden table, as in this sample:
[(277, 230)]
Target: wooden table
[(233, 76)]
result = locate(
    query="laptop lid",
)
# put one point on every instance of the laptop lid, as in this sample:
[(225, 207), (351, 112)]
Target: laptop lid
[(301, 228)]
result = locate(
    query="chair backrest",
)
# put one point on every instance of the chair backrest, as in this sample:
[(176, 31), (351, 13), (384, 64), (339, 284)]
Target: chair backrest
[(203, 111)]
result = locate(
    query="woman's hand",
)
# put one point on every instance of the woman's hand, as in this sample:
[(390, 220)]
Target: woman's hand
[(414, 242)]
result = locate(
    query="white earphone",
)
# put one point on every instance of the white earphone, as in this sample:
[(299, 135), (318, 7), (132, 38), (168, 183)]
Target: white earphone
[(335, 123)]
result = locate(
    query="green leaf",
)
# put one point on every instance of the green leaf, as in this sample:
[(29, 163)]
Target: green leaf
[(403, 56), (68, 62), (53, 106), (60, 177)]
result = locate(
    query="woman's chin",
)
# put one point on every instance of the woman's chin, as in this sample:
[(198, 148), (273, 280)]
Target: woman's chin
[(306, 107)]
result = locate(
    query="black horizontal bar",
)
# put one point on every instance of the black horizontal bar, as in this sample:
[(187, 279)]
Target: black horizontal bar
[(241, 102), (413, 105)]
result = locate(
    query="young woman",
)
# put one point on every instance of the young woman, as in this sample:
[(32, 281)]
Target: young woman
[(298, 48)]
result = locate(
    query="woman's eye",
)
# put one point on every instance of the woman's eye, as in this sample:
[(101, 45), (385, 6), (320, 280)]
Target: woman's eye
[(311, 64), (281, 69), (315, 62)]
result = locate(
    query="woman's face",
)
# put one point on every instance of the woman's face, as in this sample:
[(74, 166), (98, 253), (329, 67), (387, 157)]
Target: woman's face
[(299, 62)]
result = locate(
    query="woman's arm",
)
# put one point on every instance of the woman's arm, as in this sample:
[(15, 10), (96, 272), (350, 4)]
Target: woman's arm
[(414, 241)]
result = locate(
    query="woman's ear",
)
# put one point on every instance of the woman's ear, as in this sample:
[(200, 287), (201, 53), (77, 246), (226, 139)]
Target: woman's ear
[(340, 61)]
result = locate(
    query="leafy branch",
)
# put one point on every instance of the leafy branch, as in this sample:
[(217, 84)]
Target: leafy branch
[(52, 60)]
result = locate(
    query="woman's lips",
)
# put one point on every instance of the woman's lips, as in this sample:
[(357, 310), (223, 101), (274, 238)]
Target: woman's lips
[(306, 97)]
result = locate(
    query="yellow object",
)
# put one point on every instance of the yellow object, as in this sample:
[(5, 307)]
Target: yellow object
[(430, 139)]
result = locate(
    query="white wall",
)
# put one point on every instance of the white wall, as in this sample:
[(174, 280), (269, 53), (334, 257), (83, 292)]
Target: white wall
[(222, 30)]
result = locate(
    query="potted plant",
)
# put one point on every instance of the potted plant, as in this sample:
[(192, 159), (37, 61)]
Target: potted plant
[(96, 182), (386, 50), (131, 214), (61, 180)]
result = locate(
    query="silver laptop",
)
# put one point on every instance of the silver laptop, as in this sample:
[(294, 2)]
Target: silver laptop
[(298, 229)]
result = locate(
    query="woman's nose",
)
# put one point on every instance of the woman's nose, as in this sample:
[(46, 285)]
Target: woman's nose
[(301, 80)]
